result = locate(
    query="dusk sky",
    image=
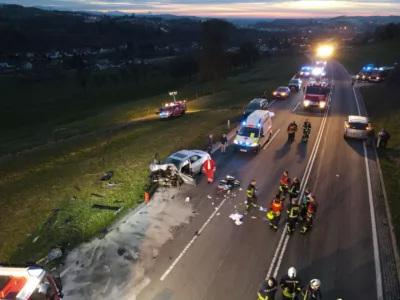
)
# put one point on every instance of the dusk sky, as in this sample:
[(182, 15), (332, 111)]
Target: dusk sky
[(228, 8)]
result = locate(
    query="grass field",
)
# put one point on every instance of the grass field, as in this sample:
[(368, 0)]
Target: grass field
[(46, 192), (383, 106), (379, 53)]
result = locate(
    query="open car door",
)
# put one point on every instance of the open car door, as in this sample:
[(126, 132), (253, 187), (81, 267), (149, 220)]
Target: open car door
[(187, 174)]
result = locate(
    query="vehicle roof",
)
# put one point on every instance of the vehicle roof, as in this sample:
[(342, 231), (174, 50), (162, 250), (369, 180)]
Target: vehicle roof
[(184, 154), (19, 282), (358, 119), (257, 100), (282, 88), (256, 116), (295, 79)]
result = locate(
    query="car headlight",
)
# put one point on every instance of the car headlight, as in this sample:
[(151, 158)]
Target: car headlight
[(377, 77), (322, 104), (283, 94), (254, 145), (306, 102), (235, 142)]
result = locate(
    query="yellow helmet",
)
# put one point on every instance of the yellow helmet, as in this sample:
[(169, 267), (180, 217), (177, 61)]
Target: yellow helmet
[(270, 215)]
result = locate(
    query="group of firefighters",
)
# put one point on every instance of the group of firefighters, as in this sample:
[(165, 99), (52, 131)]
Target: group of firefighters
[(292, 129), (296, 212), (292, 287)]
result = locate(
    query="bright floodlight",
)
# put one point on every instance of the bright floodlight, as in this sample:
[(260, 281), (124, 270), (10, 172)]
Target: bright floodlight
[(325, 51), (317, 71), (173, 94)]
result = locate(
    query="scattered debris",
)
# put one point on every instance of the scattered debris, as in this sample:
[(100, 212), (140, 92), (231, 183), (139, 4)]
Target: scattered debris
[(54, 254), (121, 251), (119, 201), (237, 218), (260, 208), (108, 207), (197, 233), (119, 210), (35, 239), (253, 217), (187, 199), (97, 195), (240, 189), (68, 220), (218, 214), (212, 203), (337, 175), (209, 197), (107, 176), (52, 218), (111, 184), (215, 208), (77, 188)]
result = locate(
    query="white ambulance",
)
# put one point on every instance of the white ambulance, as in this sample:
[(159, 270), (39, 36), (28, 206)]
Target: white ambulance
[(254, 132)]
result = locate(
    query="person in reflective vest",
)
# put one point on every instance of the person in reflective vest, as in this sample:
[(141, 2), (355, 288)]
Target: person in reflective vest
[(311, 212), (268, 289), (276, 209), (291, 285), (291, 130), (304, 203), (306, 130), (251, 196), (284, 185), (293, 213), (294, 188), (209, 169)]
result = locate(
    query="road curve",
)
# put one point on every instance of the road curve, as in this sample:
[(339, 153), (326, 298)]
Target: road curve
[(228, 261)]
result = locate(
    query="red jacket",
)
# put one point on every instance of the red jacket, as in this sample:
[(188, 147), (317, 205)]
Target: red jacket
[(276, 206), (312, 207), (285, 180)]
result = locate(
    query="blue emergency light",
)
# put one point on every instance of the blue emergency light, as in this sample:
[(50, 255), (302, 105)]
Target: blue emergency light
[(258, 125), (244, 123), (247, 144)]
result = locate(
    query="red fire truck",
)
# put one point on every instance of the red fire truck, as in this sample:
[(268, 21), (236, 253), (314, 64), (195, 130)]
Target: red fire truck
[(29, 283), (173, 109), (316, 96)]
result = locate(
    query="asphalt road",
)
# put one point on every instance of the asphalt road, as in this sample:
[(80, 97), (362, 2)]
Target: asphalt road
[(339, 250), (228, 261)]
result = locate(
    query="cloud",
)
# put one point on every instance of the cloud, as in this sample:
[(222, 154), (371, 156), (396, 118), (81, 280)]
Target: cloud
[(244, 8)]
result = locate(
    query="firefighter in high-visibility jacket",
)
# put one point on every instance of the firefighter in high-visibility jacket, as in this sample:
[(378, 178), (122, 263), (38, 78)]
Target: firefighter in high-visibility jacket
[(294, 188), (251, 195), (291, 130), (311, 212), (274, 215), (268, 289), (284, 185), (293, 213), (291, 285), (304, 203)]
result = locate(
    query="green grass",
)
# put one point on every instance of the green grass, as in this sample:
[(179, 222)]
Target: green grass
[(64, 174), (383, 107), (380, 53)]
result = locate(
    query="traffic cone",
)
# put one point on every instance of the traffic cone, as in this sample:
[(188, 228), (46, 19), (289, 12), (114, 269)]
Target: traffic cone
[(146, 197)]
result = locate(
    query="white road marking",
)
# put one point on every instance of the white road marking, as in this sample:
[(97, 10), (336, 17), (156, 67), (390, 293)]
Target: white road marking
[(304, 181), (272, 102), (296, 106), (378, 271), (191, 242), (269, 142)]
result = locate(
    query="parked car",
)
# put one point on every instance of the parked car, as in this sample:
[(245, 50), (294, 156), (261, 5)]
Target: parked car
[(295, 84), (282, 92), (356, 127), (255, 104), (379, 75)]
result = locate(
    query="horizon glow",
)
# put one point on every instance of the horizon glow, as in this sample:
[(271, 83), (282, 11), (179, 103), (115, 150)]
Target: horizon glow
[(228, 8)]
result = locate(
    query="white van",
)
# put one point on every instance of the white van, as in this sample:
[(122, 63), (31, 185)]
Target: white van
[(254, 132)]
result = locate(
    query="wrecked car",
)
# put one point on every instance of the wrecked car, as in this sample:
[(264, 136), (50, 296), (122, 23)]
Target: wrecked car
[(182, 166)]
